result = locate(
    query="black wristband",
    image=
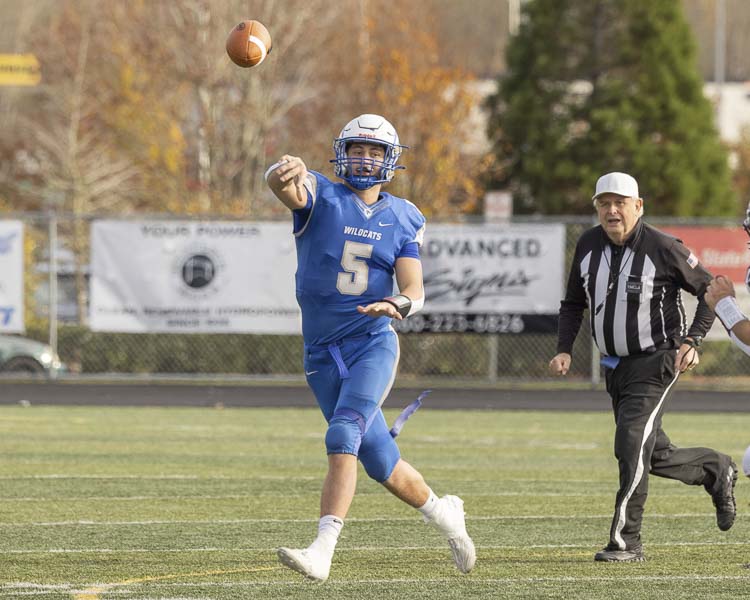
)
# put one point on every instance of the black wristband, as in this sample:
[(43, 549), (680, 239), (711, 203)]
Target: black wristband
[(400, 302), (694, 341)]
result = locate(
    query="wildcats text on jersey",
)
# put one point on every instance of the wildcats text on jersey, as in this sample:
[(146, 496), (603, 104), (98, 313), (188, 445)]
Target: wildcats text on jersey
[(364, 233)]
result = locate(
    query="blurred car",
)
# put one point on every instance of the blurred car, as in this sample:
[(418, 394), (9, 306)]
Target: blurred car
[(25, 356)]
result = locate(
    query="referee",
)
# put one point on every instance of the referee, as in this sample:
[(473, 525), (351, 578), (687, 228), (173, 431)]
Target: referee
[(630, 276)]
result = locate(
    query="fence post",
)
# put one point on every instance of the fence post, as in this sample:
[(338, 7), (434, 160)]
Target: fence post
[(595, 370), (492, 357), (53, 279)]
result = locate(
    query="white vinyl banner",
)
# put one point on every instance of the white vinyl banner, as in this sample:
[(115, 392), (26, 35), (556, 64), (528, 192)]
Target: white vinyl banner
[(189, 276), (11, 284), (515, 268), (495, 279)]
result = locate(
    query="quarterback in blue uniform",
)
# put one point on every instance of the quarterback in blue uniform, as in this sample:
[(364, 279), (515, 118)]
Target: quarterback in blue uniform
[(352, 238)]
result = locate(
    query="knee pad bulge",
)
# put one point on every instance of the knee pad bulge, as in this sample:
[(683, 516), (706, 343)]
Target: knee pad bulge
[(345, 431)]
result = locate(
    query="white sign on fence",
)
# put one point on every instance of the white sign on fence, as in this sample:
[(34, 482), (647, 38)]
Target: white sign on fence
[(11, 284), (493, 279), (515, 268), (188, 276)]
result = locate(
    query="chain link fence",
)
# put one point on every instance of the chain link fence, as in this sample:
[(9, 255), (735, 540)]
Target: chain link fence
[(497, 358)]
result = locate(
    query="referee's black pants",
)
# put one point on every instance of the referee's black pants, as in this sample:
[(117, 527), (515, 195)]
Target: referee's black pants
[(639, 387)]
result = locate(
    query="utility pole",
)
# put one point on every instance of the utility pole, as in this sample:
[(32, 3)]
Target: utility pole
[(720, 47), (514, 16), (364, 34)]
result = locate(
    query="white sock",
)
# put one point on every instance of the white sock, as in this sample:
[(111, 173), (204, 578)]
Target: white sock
[(329, 528), (429, 507)]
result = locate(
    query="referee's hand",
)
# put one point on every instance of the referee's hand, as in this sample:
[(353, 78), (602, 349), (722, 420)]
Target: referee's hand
[(560, 364), (687, 358)]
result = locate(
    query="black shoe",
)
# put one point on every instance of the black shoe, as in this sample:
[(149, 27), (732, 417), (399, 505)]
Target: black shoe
[(726, 507), (610, 554)]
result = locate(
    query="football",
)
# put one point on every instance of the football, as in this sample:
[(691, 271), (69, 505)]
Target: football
[(248, 44)]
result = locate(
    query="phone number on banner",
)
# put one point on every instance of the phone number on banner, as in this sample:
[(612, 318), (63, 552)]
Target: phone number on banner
[(476, 323)]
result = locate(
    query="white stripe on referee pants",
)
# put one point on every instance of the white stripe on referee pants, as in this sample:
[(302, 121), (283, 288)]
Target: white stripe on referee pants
[(640, 469)]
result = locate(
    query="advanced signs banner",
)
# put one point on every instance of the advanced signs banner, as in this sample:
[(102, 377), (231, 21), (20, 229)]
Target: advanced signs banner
[(491, 279), (11, 284), (187, 276)]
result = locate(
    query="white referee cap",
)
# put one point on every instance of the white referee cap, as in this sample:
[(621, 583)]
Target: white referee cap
[(621, 184)]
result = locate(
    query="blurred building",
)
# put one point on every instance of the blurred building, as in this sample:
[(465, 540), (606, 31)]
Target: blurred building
[(732, 102)]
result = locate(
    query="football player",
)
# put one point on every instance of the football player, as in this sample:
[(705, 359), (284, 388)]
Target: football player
[(352, 237), (720, 297)]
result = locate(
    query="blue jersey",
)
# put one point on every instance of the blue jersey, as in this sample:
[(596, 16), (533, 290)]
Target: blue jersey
[(346, 253)]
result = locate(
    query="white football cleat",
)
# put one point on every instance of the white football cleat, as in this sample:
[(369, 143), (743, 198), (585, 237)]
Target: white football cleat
[(448, 519), (311, 564)]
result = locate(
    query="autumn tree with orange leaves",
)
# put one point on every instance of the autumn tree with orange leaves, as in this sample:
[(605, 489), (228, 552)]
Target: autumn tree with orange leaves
[(392, 67), (142, 111), (432, 106)]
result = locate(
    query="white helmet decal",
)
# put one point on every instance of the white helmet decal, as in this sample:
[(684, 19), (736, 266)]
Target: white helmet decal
[(370, 129)]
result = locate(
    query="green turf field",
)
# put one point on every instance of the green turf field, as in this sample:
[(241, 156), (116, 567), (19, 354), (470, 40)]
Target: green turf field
[(185, 503)]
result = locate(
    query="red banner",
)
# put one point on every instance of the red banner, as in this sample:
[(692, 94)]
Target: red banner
[(721, 250)]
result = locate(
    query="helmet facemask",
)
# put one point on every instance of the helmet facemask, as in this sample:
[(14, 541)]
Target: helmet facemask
[(367, 129)]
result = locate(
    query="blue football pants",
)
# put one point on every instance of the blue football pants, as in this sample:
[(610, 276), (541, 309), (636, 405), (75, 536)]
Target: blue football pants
[(371, 362)]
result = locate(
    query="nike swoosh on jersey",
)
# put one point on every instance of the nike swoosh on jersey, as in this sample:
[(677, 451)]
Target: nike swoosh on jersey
[(310, 372), (384, 224)]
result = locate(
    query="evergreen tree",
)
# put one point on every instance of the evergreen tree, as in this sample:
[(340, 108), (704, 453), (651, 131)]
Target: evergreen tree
[(607, 85)]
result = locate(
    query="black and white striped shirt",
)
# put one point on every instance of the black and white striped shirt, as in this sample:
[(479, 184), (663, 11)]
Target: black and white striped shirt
[(633, 292)]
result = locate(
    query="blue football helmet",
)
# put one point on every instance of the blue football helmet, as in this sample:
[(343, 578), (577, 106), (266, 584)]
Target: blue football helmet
[(369, 129)]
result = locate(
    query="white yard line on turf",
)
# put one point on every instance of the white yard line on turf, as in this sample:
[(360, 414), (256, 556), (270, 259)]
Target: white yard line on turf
[(343, 548), (315, 493), (157, 477), (627, 576), (350, 520), (269, 478)]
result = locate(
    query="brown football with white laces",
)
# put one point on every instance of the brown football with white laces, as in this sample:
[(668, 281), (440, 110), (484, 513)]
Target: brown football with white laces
[(249, 43)]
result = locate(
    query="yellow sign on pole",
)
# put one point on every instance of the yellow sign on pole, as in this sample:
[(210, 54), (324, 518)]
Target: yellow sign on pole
[(19, 69)]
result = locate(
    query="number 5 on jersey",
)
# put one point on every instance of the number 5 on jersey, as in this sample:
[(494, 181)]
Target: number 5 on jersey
[(354, 280)]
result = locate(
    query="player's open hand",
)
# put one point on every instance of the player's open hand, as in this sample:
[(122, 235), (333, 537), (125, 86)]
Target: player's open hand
[(380, 309), (720, 287), (560, 364)]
